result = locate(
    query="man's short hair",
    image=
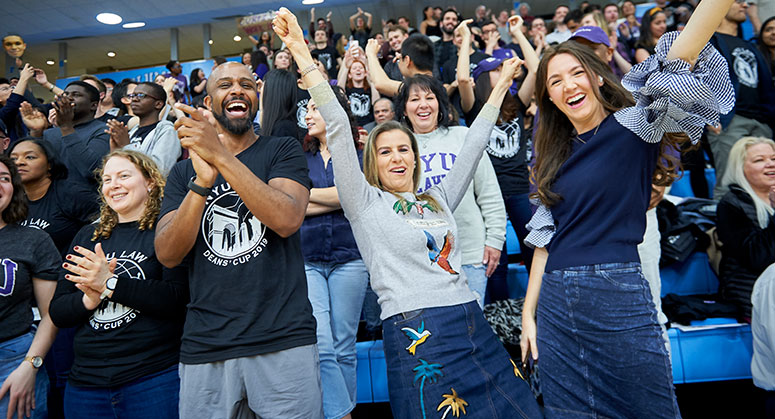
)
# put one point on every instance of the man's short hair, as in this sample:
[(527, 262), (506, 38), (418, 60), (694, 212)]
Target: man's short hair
[(4, 80), (108, 81), (391, 22), (394, 28), (320, 19), (94, 94), (171, 64), (419, 49), (405, 18), (156, 90), (450, 10), (100, 85), (383, 98), (574, 15)]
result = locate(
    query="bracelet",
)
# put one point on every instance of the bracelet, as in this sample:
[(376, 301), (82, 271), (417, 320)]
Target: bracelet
[(51, 89), (199, 190), (309, 69)]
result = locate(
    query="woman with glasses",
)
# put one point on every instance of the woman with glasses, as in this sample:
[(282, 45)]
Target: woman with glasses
[(157, 139)]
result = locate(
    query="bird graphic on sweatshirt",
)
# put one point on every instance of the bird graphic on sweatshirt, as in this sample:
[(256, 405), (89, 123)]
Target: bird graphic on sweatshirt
[(417, 336), (440, 256)]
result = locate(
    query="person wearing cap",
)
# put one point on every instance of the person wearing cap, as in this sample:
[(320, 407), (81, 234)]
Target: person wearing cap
[(596, 38)]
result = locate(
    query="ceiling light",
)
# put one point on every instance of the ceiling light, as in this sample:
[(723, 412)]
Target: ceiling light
[(109, 18), (210, 42), (132, 25), (111, 54), (237, 38), (50, 62), (311, 1)]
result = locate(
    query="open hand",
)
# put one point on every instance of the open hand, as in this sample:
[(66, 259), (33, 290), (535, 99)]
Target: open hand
[(65, 111), (90, 269), (119, 134), (33, 118), (491, 259), (198, 132), (20, 387)]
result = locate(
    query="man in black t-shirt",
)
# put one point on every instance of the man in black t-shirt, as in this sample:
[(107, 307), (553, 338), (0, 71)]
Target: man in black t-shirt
[(327, 54), (231, 214), (754, 111)]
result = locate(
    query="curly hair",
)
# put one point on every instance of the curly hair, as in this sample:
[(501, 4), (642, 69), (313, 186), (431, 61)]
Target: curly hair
[(108, 218), (16, 211)]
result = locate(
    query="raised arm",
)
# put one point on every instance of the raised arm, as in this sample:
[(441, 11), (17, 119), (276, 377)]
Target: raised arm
[(352, 20), (459, 177), (527, 88), (699, 29), (352, 188), (464, 83), (384, 84), (368, 20)]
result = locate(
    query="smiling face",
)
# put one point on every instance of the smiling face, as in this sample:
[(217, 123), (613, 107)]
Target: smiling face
[(571, 90), (282, 61), (246, 58), (559, 14), (316, 126), (395, 161), (31, 161), (759, 167), (422, 109), (357, 71), (124, 188), (14, 45), (396, 38), (449, 22), (232, 97)]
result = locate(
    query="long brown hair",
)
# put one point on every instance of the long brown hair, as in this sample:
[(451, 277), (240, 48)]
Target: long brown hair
[(553, 142), (108, 218), (371, 172), (17, 208)]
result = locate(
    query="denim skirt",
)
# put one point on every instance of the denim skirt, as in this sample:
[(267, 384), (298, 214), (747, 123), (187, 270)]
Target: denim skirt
[(600, 345), (447, 361)]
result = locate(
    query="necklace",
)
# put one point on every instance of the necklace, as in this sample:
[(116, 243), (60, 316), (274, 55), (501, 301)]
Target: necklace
[(593, 134)]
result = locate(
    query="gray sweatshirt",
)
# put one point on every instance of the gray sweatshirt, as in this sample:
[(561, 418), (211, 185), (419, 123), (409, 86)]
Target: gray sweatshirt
[(410, 251)]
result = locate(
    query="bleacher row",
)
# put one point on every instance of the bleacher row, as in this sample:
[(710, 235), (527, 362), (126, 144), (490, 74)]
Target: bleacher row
[(717, 349)]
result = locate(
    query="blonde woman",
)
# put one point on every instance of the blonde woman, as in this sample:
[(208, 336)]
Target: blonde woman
[(126, 307)]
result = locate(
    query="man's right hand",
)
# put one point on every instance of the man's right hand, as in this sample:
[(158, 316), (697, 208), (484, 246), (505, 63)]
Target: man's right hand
[(197, 132), (65, 114)]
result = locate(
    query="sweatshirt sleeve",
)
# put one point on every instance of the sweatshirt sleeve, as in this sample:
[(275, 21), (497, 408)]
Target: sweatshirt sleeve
[(355, 193), (85, 151), (161, 297), (165, 148), (490, 201), (453, 187), (11, 109), (66, 308)]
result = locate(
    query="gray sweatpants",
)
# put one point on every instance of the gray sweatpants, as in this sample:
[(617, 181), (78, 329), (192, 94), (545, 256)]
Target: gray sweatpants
[(284, 384)]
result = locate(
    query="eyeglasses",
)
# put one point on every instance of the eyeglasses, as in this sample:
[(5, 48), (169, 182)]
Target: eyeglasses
[(140, 96)]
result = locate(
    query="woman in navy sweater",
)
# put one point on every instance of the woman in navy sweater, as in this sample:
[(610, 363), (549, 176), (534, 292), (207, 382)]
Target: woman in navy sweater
[(601, 345)]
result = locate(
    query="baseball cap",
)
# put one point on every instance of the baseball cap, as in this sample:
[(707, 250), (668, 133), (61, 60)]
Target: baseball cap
[(592, 34), (486, 65)]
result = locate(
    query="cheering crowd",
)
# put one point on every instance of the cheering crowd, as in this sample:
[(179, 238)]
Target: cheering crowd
[(205, 246)]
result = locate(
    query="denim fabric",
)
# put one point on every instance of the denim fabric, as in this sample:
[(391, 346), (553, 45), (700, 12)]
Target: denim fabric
[(476, 275), (12, 353), (518, 209), (371, 311), (460, 361), (150, 397), (600, 345), (336, 292), (58, 362)]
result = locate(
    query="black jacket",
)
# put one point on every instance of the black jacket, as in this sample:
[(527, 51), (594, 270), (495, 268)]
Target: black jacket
[(747, 249)]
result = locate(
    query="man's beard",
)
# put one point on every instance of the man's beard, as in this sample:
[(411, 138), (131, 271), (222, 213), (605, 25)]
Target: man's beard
[(448, 31), (235, 126)]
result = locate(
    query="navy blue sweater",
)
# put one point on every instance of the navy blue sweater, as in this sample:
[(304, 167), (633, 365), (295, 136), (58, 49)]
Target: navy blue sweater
[(605, 185)]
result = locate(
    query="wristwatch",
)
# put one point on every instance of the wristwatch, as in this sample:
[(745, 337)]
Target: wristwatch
[(36, 361), (110, 286), (199, 190)]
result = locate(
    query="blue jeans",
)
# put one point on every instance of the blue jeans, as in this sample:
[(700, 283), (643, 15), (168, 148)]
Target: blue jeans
[(600, 345), (476, 275), (336, 292), (458, 360), (12, 354), (153, 396)]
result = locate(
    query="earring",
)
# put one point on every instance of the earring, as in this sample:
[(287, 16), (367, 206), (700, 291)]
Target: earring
[(600, 79), (551, 100)]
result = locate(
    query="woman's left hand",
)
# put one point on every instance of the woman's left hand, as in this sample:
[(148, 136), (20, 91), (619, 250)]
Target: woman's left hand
[(92, 269), (20, 387)]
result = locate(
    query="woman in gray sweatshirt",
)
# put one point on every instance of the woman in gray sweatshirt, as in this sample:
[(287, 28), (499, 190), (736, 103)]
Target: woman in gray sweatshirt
[(441, 353)]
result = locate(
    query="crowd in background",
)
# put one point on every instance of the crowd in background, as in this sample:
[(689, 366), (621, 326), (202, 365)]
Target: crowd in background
[(100, 188)]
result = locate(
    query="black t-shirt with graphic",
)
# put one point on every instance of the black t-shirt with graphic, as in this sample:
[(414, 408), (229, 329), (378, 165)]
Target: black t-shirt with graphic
[(63, 210), (302, 98), (509, 149), (744, 64), (328, 56), (143, 132), (137, 331), (449, 74), (248, 286), (360, 104), (25, 253)]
